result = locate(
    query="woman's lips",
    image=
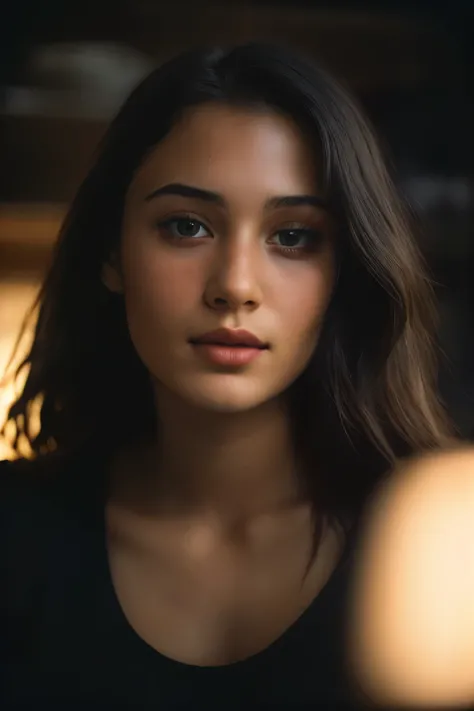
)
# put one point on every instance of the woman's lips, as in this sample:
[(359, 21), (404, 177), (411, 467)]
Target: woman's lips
[(222, 354), (230, 347), (230, 337)]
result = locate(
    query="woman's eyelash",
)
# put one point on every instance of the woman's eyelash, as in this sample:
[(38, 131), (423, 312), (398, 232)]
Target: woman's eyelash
[(313, 237), (186, 219), (191, 227)]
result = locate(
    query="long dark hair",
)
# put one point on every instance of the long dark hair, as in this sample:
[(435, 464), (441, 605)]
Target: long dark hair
[(369, 394)]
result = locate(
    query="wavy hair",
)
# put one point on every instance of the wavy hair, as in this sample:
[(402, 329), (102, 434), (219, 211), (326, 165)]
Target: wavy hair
[(369, 394)]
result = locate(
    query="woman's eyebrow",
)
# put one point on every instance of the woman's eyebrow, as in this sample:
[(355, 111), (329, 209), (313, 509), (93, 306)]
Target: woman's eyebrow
[(189, 191), (297, 201)]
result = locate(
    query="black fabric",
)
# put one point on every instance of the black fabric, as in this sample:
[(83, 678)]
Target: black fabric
[(66, 644)]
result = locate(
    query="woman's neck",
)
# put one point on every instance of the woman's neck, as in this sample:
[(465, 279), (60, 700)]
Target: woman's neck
[(230, 465)]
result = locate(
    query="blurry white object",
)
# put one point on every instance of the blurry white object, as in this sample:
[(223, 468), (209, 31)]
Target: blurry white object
[(87, 80)]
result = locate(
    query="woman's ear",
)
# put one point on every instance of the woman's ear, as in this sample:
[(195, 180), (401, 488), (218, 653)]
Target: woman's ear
[(112, 275)]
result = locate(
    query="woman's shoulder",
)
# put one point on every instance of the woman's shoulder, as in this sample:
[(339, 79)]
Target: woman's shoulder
[(45, 506), (20, 482), (39, 502), (30, 489), (20, 478)]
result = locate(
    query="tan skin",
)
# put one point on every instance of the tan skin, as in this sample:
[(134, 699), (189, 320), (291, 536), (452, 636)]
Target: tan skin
[(209, 535)]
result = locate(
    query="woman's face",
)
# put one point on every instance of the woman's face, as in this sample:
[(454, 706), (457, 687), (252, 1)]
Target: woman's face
[(225, 228)]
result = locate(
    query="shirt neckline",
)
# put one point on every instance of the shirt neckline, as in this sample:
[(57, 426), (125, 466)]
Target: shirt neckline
[(318, 604)]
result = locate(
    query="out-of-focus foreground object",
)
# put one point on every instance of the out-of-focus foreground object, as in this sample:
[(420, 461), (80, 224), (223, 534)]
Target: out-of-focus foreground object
[(411, 638)]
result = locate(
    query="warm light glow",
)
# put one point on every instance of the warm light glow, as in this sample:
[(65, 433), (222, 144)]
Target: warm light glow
[(16, 297)]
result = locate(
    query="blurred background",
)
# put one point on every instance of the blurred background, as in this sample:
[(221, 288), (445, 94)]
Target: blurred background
[(65, 68)]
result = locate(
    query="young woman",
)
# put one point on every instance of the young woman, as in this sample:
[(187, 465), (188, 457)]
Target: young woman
[(233, 346)]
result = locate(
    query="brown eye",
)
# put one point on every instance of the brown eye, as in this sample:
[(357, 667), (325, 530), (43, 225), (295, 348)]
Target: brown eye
[(297, 238), (185, 228)]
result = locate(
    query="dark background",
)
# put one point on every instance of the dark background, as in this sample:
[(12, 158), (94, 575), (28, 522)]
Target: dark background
[(65, 67)]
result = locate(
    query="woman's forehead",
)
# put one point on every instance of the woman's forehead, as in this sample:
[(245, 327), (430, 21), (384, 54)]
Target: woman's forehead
[(217, 146)]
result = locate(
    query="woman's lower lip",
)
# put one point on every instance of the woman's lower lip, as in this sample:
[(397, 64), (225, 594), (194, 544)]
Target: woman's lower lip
[(228, 355)]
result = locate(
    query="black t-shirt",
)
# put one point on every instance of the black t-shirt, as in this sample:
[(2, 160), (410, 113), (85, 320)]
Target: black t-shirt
[(65, 642)]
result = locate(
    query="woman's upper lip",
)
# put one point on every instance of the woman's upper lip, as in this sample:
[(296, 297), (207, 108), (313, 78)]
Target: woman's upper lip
[(230, 337)]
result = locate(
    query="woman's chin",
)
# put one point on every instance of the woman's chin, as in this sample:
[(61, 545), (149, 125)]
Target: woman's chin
[(223, 393), (225, 403), (228, 397)]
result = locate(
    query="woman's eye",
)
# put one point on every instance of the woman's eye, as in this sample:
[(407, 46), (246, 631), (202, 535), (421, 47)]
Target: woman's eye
[(297, 238), (185, 227)]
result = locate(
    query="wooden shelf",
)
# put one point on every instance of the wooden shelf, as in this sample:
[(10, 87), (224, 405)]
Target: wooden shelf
[(27, 235), (30, 224)]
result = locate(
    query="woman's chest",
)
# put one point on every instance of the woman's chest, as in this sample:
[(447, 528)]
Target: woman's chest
[(208, 604), (83, 646)]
